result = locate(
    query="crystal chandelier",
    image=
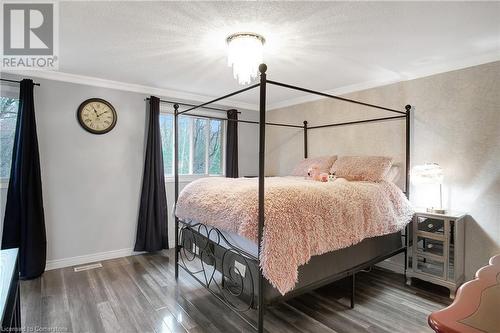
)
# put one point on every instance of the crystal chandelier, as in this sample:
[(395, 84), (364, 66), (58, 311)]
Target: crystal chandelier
[(245, 54)]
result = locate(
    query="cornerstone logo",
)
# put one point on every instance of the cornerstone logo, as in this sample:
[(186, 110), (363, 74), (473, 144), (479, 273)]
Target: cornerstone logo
[(30, 35)]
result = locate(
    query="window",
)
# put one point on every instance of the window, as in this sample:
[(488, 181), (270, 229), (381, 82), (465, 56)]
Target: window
[(200, 145), (8, 118)]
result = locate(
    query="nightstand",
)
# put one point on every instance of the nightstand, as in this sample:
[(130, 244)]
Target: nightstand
[(436, 249), (10, 299)]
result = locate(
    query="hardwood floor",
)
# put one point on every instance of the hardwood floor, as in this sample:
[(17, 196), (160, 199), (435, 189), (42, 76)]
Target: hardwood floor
[(139, 294)]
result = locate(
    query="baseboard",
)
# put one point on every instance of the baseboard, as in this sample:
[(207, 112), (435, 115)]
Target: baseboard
[(392, 266), (88, 258)]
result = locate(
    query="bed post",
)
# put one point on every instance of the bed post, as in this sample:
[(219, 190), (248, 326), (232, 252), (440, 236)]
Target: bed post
[(262, 149), (305, 138), (176, 186), (407, 179), (407, 151)]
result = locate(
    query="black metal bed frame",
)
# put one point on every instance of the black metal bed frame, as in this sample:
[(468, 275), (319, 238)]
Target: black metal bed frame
[(212, 254)]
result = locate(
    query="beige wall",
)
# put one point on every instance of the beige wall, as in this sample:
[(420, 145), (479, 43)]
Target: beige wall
[(456, 123)]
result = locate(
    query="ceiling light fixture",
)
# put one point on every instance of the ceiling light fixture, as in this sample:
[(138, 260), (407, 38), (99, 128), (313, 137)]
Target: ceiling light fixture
[(245, 52)]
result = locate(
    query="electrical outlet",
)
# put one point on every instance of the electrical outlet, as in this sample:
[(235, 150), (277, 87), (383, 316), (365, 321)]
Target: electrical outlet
[(196, 249)]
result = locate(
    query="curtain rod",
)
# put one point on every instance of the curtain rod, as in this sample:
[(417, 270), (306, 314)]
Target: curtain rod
[(14, 81), (191, 105)]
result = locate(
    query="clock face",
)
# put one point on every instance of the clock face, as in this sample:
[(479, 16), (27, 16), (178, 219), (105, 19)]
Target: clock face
[(97, 116)]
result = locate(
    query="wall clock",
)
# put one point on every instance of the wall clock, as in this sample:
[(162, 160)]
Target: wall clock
[(96, 116)]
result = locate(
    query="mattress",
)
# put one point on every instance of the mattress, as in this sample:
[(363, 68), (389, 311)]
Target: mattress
[(233, 239), (246, 244), (321, 269), (303, 218)]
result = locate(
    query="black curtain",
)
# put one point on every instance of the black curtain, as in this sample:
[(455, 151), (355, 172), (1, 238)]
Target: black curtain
[(152, 232), (232, 145), (24, 222)]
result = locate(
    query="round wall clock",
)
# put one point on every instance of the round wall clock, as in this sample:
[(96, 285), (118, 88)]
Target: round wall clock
[(96, 116)]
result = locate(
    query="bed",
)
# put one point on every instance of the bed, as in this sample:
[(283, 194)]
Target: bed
[(316, 232), (239, 238), (304, 218)]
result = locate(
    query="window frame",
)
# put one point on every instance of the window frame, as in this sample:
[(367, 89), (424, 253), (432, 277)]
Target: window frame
[(12, 92), (169, 178)]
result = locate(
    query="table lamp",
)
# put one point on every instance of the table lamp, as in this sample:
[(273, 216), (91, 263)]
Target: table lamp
[(430, 173)]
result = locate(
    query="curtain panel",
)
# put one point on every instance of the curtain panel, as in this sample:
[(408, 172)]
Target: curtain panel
[(24, 221), (232, 145), (152, 234)]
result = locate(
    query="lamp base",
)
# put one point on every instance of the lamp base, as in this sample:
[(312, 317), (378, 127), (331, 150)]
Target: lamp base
[(436, 210)]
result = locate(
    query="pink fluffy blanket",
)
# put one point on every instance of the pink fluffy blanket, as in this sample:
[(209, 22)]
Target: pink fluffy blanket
[(303, 218)]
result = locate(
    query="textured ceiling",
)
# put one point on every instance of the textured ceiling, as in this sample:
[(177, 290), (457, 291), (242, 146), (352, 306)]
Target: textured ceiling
[(321, 45)]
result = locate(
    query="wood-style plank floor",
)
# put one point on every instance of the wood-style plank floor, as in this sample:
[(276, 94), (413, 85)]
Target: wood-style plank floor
[(139, 294)]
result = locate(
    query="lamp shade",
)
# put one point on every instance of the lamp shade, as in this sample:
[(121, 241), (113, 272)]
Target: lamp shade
[(429, 173)]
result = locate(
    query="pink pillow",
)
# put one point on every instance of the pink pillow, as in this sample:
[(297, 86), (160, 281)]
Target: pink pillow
[(371, 168), (324, 163)]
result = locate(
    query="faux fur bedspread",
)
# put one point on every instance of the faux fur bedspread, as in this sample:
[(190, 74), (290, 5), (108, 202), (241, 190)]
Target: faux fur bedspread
[(303, 218)]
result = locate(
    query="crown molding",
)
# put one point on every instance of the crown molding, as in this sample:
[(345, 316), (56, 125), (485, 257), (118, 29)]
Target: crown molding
[(405, 76), (131, 87), (425, 71)]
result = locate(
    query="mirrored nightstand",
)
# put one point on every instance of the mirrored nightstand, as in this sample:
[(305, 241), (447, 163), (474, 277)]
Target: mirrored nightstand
[(436, 249)]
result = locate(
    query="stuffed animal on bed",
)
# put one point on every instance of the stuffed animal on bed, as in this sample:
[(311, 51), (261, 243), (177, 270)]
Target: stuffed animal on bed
[(314, 172), (323, 177)]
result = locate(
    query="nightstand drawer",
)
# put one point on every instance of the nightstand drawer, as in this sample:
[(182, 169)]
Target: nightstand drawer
[(430, 225), (431, 235), (430, 266), (430, 246)]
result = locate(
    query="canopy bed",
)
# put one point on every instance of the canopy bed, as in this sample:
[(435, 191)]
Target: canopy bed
[(233, 249)]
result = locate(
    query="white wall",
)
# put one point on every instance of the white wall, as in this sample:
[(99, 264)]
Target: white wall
[(92, 183), (456, 123)]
